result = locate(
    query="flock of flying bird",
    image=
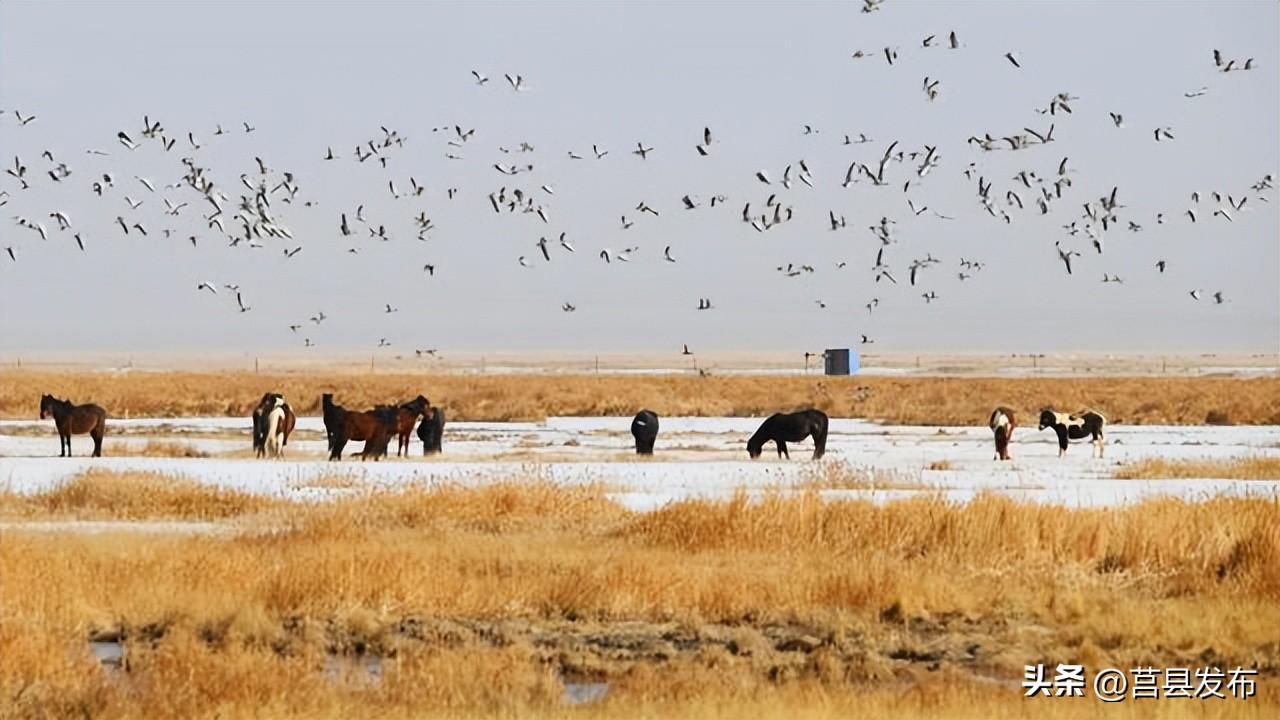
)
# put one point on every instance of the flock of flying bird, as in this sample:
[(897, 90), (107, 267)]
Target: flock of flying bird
[(248, 213)]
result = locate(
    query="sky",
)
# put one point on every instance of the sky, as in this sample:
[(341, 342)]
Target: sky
[(308, 77)]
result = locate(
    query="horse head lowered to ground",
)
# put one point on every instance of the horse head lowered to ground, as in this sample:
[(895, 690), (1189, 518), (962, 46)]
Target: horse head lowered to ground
[(783, 428)]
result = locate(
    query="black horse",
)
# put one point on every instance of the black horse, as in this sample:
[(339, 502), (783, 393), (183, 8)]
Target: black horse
[(794, 427), (72, 419), (431, 430), (333, 417), (645, 430)]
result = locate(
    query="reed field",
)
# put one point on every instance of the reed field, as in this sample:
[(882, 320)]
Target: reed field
[(907, 401), (1249, 468), (472, 601)]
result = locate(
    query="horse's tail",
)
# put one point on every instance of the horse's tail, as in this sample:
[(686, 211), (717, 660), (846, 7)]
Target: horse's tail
[(819, 434)]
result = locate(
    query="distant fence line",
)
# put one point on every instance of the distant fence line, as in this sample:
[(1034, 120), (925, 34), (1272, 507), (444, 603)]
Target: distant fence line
[(1014, 365)]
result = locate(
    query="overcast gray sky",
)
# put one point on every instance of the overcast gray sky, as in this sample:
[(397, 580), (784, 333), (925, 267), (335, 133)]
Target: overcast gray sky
[(310, 76)]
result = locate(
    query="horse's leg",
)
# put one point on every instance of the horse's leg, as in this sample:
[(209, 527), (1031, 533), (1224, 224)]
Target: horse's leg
[(98, 432), (335, 450), (782, 449)]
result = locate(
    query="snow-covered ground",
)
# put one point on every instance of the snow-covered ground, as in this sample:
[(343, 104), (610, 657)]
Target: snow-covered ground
[(696, 457)]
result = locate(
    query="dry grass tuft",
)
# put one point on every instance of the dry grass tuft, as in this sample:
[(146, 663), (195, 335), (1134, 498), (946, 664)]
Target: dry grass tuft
[(1250, 468), (154, 448), (922, 401), (833, 474)]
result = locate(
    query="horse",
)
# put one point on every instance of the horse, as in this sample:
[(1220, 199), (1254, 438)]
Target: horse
[(1086, 423), (272, 426), (333, 415), (386, 423), (794, 427), (1002, 423), (644, 428), (408, 414), (73, 419), (431, 430), (284, 426), (374, 427)]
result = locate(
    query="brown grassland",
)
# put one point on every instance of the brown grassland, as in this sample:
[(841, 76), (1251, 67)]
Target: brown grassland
[(483, 601), (1247, 468), (914, 401)]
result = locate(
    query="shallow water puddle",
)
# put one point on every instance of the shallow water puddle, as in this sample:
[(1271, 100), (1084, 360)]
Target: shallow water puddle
[(109, 653), (581, 693), (366, 668)]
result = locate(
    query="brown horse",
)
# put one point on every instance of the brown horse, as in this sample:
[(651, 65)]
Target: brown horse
[(406, 417), (374, 427), (74, 420), (387, 420)]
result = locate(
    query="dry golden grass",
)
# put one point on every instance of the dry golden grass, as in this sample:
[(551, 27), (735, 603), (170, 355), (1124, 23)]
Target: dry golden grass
[(931, 400), (1249, 468), (105, 495), (154, 448), (479, 600), (841, 475)]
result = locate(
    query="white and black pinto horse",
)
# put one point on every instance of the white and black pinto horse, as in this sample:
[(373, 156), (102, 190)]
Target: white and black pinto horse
[(1084, 424), (273, 421)]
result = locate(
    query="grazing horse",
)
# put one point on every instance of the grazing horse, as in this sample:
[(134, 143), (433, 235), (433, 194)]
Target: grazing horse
[(284, 427), (1086, 423), (431, 430), (1002, 424), (74, 420), (794, 427), (644, 428), (406, 417)]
